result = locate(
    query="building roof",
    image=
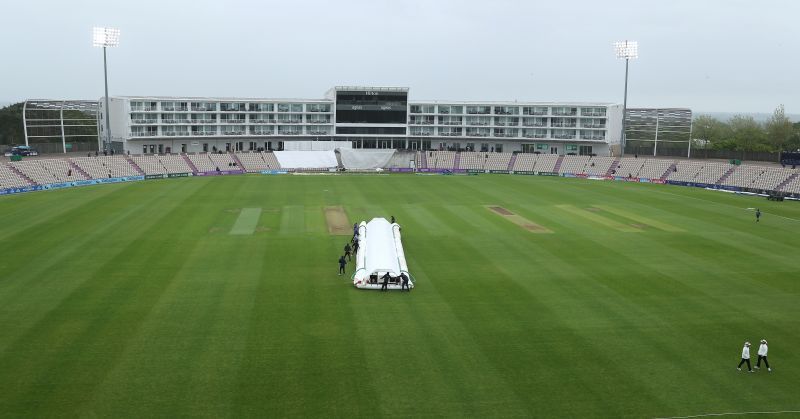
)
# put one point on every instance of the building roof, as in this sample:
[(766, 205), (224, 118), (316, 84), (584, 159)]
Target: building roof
[(221, 99)]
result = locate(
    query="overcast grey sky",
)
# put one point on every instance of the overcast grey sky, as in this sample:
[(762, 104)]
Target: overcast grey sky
[(717, 55)]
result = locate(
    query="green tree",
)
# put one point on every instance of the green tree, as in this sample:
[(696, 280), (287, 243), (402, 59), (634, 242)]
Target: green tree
[(712, 133), (779, 129), (794, 139), (747, 134), (11, 129)]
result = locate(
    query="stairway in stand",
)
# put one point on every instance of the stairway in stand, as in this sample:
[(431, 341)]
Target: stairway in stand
[(135, 166), (189, 162), (670, 170), (238, 162), (22, 175), (423, 159), (786, 181), (610, 171), (457, 160), (558, 163), (725, 176), (511, 162), (78, 169)]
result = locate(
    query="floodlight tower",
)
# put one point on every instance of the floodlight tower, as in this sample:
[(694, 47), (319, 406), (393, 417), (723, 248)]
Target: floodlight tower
[(106, 37), (627, 50)]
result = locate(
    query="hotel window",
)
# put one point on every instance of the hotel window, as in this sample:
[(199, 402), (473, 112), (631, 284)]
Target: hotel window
[(597, 111), (422, 108), (564, 111), (203, 106), (563, 133), (318, 107), (534, 110), (506, 110), (232, 106), (261, 107), (480, 110), (449, 109)]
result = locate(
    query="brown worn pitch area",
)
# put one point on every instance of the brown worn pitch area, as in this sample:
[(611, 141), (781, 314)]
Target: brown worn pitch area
[(501, 210), (518, 220), (338, 224)]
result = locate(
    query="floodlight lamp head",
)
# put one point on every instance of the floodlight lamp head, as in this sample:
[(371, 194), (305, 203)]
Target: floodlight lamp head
[(105, 37), (626, 49)]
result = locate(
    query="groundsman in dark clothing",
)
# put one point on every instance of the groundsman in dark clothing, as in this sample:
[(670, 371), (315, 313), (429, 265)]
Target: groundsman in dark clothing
[(404, 285), (385, 285)]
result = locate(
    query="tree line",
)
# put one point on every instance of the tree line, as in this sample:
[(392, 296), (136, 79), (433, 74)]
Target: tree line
[(743, 133)]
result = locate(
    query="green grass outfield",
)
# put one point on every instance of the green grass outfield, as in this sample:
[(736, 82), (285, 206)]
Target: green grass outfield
[(219, 297)]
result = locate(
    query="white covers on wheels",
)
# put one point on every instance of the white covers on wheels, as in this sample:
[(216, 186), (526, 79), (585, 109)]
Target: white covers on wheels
[(380, 250)]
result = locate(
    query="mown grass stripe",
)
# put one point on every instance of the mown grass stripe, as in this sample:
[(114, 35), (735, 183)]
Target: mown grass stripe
[(246, 222), (293, 219), (640, 219), (597, 219)]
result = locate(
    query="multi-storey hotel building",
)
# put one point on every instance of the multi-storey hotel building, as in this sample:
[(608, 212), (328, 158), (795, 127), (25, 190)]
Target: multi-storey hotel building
[(368, 117)]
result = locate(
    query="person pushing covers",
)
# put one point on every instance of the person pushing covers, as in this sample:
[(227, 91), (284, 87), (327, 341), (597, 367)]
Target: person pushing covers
[(342, 264)]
